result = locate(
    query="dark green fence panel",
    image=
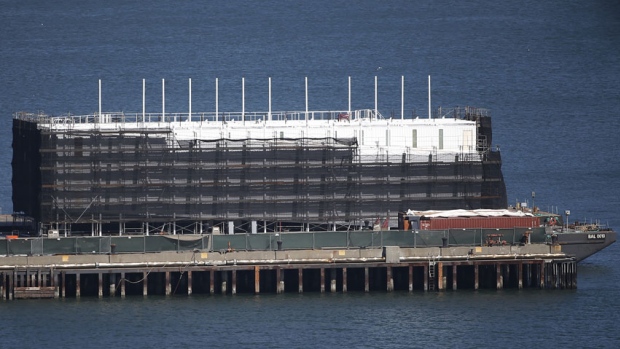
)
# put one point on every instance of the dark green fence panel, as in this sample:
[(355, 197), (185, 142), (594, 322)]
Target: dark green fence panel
[(464, 237), (190, 244), (3, 248), (397, 238), (18, 246), (59, 246), (259, 242), (236, 241), (160, 244), (332, 239), (362, 239), (128, 244), (88, 245), (294, 241)]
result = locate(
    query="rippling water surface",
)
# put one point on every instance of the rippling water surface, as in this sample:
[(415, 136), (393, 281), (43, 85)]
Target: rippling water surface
[(548, 71)]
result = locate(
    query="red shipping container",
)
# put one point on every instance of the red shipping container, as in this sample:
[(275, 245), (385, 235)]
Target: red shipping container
[(479, 222)]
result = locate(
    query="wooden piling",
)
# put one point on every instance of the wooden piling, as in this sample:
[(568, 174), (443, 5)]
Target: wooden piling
[(440, 282), (300, 282), (332, 280), (256, 279), (520, 274), (542, 274), (344, 280), (425, 277), (366, 280), (112, 284), (322, 280), (224, 275)]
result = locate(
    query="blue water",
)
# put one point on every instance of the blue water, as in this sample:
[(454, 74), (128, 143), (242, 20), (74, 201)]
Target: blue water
[(548, 70)]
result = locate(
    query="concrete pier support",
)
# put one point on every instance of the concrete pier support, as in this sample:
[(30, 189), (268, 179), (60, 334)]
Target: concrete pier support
[(542, 274), (410, 278), (100, 283), (390, 279), (168, 284), (56, 284), (233, 285), (332, 280), (10, 286), (122, 285), (499, 278), (441, 285), (366, 280), (145, 284), (279, 281), (63, 284), (256, 280), (476, 276), (425, 277), (224, 282), (322, 280), (112, 284), (300, 280), (212, 281), (78, 287), (189, 282), (344, 280), (454, 277), (520, 275)]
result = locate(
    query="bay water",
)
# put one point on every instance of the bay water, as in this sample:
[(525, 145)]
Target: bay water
[(549, 71)]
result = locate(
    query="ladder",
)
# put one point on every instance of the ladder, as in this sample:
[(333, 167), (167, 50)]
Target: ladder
[(431, 276)]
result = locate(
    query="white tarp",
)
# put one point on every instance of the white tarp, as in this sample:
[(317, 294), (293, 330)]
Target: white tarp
[(469, 213)]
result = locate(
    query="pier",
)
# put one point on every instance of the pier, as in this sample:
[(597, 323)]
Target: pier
[(229, 272)]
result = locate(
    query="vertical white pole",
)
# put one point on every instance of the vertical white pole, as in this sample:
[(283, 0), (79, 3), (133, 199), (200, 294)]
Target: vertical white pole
[(429, 96), (402, 98), (189, 116), (217, 101), (376, 96), (306, 99), (350, 97), (100, 99), (269, 115), (243, 99), (143, 100), (163, 100)]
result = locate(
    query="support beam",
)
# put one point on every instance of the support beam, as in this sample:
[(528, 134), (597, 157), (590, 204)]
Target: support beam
[(211, 281), (344, 280), (300, 286), (454, 285), (112, 284), (10, 286), (224, 281), (425, 277), (256, 279), (189, 282), (520, 274), (279, 281), (390, 279), (366, 280), (77, 285), (322, 280), (63, 284), (498, 274), (100, 291), (410, 277), (440, 282), (168, 284), (145, 284), (476, 276), (542, 274), (233, 287), (123, 284)]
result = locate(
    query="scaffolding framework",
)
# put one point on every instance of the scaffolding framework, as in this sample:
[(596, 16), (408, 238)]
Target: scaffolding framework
[(146, 179)]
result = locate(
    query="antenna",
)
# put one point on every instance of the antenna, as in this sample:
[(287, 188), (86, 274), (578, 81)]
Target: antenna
[(429, 96)]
